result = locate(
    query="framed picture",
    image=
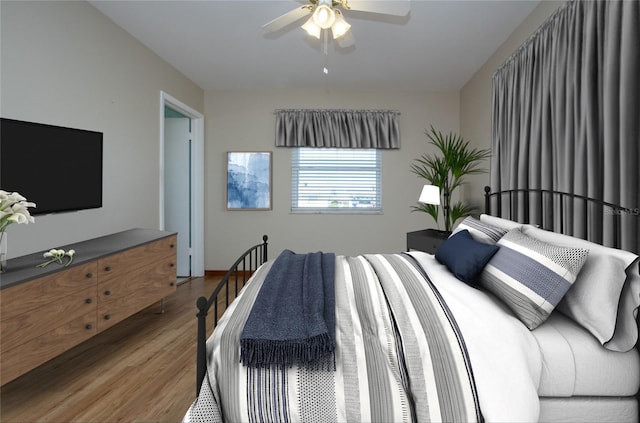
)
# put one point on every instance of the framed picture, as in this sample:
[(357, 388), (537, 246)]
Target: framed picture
[(249, 180)]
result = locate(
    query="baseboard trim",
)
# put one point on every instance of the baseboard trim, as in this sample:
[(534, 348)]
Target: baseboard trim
[(215, 273), (221, 273)]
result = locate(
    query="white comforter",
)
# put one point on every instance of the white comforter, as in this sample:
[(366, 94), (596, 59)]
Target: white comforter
[(505, 356)]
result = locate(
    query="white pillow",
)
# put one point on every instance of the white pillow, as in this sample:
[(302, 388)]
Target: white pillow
[(480, 231), (605, 298), (502, 223)]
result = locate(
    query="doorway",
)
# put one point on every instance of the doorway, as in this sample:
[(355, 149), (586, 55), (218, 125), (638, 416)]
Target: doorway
[(181, 182), (177, 185)]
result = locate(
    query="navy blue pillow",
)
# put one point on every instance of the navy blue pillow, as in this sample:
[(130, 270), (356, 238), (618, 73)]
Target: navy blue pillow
[(464, 256)]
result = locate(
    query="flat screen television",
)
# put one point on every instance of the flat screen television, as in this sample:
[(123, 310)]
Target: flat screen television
[(59, 169)]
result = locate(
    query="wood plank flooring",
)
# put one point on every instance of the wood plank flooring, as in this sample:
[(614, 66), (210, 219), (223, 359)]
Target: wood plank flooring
[(141, 370)]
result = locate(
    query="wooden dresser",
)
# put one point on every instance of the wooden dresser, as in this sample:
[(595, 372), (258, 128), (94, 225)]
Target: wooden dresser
[(46, 311)]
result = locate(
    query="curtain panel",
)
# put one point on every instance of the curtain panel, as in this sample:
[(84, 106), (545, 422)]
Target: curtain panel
[(338, 128), (566, 117)]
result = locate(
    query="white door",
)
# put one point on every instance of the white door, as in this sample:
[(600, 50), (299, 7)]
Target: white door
[(177, 183)]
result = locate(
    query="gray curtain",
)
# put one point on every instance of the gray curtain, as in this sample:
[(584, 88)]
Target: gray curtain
[(338, 128), (566, 117)]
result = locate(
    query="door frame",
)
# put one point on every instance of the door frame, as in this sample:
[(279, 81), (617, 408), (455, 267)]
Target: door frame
[(197, 178)]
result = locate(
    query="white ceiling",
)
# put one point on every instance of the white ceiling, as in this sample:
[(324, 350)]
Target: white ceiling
[(220, 45)]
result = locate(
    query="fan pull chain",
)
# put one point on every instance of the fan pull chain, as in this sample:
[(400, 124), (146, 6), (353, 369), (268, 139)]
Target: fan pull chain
[(325, 34), (326, 51)]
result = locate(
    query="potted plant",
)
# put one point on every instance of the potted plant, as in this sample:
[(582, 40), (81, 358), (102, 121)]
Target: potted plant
[(447, 171)]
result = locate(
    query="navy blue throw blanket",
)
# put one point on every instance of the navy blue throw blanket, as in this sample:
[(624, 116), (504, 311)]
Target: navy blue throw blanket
[(293, 318)]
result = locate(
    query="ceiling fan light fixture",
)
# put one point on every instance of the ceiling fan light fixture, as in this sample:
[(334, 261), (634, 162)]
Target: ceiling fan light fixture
[(340, 26), (311, 28), (324, 16)]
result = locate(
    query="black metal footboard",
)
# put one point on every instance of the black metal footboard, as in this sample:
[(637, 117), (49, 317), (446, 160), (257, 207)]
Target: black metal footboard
[(238, 274)]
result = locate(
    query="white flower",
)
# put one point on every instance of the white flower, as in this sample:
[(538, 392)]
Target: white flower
[(18, 218), (17, 197), (70, 253), (14, 209), (56, 254)]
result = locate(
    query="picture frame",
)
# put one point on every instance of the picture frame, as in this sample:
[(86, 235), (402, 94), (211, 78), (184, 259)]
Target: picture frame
[(249, 180)]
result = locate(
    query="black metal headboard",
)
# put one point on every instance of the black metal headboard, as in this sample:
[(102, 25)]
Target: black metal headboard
[(533, 206)]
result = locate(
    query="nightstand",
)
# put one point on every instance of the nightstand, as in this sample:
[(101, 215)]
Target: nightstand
[(427, 240)]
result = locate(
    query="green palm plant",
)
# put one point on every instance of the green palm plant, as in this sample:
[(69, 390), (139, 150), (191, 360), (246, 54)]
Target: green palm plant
[(447, 171)]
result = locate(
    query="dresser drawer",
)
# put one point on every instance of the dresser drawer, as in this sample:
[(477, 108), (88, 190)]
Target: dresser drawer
[(123, 263), (120, 298), (28, 325), (36, 351), (38, 293)]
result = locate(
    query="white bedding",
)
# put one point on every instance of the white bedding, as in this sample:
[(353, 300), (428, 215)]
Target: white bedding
[(595, 409), (575, 364), (558, 359), (504, 354)]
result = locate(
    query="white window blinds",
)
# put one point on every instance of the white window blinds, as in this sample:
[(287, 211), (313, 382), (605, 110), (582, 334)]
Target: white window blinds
[(336, 180)]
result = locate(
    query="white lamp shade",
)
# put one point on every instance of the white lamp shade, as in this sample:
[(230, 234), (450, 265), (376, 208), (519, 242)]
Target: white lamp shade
[(339, 27), (324, 16), (430, 195), (311, 28)]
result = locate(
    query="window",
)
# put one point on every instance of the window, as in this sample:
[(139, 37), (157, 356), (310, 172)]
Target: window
[(336, 180)]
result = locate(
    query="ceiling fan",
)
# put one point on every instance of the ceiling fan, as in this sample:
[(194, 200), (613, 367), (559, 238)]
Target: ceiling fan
[(328, 14)]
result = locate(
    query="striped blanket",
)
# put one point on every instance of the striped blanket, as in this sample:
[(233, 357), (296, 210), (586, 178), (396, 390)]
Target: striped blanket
[(399, 356)]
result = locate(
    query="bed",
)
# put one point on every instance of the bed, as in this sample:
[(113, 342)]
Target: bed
[(507, 322)]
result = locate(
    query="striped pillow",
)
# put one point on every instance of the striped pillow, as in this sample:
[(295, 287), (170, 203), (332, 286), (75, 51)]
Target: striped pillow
[(480, 231), (531, 276)]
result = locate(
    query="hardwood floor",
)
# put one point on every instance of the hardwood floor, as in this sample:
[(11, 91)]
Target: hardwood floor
[(141, 370)]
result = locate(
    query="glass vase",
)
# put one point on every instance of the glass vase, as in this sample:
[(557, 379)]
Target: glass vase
[(3, 252)]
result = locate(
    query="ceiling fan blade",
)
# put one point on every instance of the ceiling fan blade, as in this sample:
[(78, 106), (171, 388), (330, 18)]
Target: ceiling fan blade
[(286, 19), (386, 7), (347, 40)]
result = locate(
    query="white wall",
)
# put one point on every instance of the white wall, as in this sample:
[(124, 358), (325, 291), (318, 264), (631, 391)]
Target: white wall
[(244, 121), (64, 63)]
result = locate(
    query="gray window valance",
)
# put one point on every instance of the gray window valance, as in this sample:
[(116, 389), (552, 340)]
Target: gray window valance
[(337, 128)]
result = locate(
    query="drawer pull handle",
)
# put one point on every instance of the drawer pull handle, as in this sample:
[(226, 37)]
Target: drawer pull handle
[(107, 292), (88, 326), (171, 265), (89, 275), (171, 283), (171, 246), (88, 301), (107, 316), (107, 268)]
